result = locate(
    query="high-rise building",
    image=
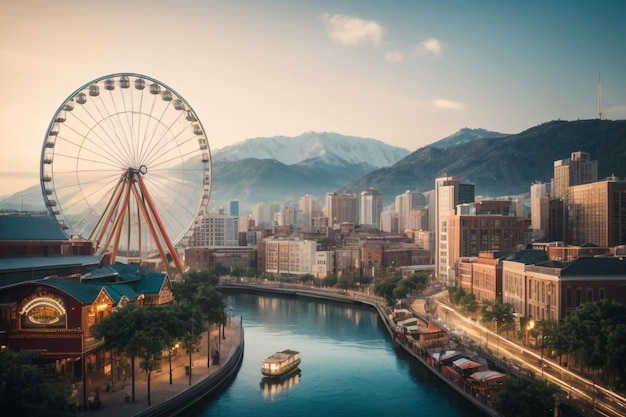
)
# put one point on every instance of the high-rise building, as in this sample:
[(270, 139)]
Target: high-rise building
[(539, 209), (596, 213), (404, 204), (264, 213), (576, 170), (214, 230), (448, 193), (471, 233), (233, 207), (341, 208), (371, 208), (292, 215), (389, 219), (311, 210)]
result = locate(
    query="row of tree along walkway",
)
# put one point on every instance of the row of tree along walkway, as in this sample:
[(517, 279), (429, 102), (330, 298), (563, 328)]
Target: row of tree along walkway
[(183, 390)]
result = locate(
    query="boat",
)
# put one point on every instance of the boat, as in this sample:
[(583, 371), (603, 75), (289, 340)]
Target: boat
[(281, 363)]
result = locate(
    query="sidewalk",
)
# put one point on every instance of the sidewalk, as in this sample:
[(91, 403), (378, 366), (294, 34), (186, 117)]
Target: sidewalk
[(113, 403)]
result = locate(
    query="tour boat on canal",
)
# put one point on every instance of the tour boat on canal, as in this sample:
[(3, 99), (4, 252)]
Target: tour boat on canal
[(281, 363)]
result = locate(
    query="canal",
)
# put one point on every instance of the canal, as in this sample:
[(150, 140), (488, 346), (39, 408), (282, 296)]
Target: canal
[(349, 367)]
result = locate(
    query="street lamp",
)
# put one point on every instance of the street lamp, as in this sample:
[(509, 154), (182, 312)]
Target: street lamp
[(529, 327)]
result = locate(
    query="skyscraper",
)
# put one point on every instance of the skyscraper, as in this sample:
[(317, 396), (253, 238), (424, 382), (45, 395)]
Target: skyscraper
[(341, 208), (576, 170), (311, 210), (233, 208), (371, 208), (448, 193), (539, 209)]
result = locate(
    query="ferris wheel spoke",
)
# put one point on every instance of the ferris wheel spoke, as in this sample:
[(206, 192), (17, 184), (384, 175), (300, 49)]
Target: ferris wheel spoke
[(100, 144), (126, 129)]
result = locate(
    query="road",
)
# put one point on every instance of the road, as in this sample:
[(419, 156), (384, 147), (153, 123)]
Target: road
[(585, 395)]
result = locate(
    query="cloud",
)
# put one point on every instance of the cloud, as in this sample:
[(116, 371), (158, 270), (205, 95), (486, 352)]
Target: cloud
[(394, 56), (352, 31), (449, 105), (430, 46)]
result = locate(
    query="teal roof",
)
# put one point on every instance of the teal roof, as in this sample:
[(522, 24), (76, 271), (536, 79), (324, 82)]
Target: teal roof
[(117, 291), (86, 294), (26, 228), (43, 262)]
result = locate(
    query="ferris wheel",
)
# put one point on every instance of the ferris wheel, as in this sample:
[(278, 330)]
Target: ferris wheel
[(126, 163)]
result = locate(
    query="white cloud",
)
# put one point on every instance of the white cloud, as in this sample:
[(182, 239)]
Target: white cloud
[(394, 56), (449, 104), (352, 31), (430, 46)]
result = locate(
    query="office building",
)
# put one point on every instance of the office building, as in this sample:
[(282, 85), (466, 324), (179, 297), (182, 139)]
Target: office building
[(448, 193), (341, 208), (370, 209)]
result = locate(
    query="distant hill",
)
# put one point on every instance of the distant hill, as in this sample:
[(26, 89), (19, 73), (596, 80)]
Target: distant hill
[(499, 166), (466, 135)]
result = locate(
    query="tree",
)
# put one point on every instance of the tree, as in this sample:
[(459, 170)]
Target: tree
[(329, 280), (345, 283), (25, 391), (594, 336), (526, 397), (211, 303), (386, 288), (417, 282), (117, 331)]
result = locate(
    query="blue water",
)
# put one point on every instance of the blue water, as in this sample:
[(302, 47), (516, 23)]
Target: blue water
[(349, 367)]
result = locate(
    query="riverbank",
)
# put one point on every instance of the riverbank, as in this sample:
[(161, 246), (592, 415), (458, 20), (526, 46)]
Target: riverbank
[(355, 297), (184, 392)]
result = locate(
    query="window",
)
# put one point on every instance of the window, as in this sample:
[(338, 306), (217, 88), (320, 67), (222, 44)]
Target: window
[(601, 293), (579, 298)]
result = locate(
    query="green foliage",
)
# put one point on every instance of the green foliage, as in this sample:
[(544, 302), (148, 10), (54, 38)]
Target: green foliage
[(386, 287), (330, 280), (307, 278), (526, 397), (184, 292), (345, 283), (496, 311), (25, 391), (459, 297), (595, 336)]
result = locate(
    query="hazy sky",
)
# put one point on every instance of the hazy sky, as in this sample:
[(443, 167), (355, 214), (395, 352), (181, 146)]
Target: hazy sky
[(405, 72)]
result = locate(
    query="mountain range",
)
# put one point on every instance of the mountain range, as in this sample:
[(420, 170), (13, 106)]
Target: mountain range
[(283, 169), (507, 165)]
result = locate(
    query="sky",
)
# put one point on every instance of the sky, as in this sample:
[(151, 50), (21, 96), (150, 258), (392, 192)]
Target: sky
[(405, 72)]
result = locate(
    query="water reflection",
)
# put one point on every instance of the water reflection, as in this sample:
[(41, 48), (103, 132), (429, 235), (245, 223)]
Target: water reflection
[(275, 386)]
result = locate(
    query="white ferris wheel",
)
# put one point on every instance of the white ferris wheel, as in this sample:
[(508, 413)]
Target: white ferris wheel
[(126, 163)]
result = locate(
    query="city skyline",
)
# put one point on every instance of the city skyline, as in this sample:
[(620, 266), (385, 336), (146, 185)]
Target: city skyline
[(405, 73)]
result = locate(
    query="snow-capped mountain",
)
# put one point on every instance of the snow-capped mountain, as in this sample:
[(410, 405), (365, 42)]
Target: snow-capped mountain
[(325, 145)]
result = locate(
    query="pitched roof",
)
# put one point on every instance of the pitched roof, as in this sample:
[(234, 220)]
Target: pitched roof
[(464, 363), (484, 376), (26, 228), (86, 294)]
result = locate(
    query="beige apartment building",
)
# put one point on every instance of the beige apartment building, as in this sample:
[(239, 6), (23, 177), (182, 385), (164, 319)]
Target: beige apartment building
[(290, 256)]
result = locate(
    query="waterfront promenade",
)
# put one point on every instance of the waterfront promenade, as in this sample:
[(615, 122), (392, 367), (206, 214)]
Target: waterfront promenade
[(114, 404)]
